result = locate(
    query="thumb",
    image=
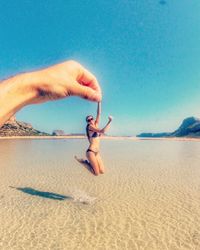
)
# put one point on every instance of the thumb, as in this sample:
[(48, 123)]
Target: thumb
[(86, 92)]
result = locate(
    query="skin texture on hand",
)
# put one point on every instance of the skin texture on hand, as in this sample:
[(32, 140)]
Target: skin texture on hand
[(56, 82), (64, 80)]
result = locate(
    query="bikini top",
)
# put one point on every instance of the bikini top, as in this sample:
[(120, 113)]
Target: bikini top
[(89, 135)]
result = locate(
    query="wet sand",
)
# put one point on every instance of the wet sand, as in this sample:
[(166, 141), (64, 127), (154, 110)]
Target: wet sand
[(149, 197), (133, 138)]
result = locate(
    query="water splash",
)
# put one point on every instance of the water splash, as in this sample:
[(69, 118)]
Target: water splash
[(82, 197)]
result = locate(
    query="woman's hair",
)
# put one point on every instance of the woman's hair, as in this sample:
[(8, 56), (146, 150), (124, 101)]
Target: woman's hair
[(88, 117)]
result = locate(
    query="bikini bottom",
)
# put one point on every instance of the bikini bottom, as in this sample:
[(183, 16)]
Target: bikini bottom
[(90, 150)]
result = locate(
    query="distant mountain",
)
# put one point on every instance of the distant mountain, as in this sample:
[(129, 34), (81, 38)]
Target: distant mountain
[(58, 132), (16, 128), (190, 127), (76, 134), (154, 134)]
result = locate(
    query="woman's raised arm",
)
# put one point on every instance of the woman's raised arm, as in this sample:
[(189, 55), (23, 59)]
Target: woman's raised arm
[(98, 114), (103, 130)]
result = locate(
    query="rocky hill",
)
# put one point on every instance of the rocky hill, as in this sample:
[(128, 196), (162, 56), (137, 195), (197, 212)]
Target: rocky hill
[(58, 132), (16, 128), (190, 127)]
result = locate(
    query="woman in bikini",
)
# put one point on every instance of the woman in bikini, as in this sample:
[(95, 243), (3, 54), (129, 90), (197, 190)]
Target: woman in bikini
[(94, 162), (93, 134)]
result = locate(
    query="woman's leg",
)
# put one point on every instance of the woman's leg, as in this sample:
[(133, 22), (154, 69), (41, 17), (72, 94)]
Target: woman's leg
[(93, 162), (100, 163), (81, 160), (85, 163)]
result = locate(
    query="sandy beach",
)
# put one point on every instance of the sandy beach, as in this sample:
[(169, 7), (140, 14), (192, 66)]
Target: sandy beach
[(133, 138), (147, 199)]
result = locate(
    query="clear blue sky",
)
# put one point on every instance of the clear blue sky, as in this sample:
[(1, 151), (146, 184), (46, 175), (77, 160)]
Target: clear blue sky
[(146, 56)]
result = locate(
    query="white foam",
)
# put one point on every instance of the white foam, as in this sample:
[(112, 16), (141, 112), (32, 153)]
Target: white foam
[(82, 197)]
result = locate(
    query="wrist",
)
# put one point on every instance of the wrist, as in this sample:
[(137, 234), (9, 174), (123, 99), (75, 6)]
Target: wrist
[(15, 93)]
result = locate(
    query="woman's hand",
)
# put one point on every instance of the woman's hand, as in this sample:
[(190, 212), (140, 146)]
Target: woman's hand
[(110, 118)]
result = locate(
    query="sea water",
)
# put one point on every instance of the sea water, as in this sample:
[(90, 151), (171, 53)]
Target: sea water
[(148, 198)]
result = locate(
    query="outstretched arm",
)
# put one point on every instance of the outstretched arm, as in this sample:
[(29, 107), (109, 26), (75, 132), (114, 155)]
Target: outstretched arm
[(56, 82), (98, 114), (103, 130), (107, 125)]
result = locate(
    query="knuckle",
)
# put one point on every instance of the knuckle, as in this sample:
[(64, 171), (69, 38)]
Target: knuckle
[(95, 79), (71, 63)]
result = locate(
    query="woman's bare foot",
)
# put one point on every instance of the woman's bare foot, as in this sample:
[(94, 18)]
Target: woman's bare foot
[(85, 163), (81, 160)]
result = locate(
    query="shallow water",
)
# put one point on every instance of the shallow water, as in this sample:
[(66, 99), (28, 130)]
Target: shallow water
[(149, 197)]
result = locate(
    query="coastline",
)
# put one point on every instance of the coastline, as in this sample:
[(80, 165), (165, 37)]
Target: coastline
[(172, 139), (66, 137), (103, 137)]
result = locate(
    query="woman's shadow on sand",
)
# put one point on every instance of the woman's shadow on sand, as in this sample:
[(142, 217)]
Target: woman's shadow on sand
[(47, 195)]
